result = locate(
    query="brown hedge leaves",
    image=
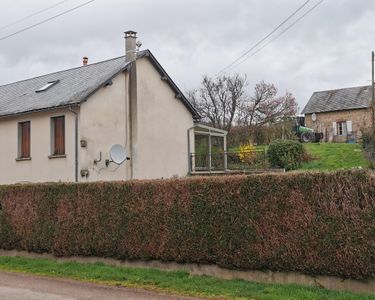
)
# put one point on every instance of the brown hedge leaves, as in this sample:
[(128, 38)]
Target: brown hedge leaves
[(315, 223)]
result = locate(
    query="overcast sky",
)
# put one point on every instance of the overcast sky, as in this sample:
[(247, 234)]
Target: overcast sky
[(330, 48)]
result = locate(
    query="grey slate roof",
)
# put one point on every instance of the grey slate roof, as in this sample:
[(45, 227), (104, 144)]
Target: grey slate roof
[(341, 99), (74, 86)]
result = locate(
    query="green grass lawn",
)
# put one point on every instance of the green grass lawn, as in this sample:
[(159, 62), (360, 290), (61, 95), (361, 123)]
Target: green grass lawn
[(172, 282), (333, 156)]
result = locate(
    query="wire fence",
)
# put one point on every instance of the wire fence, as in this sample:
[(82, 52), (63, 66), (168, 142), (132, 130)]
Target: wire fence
[(369, 149), (231, 160)]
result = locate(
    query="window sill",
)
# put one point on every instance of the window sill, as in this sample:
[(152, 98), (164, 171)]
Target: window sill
[(23, 158), (57, 156)]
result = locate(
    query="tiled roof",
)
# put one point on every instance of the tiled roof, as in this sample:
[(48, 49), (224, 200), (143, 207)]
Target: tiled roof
[(341, 99), (74, 86)]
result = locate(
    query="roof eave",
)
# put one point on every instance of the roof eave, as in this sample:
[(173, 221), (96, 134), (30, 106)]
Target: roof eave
[(179, 94), (39, 110), (103, 84)]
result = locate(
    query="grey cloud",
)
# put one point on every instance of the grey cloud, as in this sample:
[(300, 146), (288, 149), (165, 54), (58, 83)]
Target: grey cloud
[(329, 48)]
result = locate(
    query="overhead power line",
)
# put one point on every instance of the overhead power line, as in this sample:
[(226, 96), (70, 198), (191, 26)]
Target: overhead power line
[(46, 20), (276, 37), (32, 15), (266, 37)]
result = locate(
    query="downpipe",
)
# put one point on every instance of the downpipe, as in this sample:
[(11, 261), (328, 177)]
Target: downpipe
[(75, 143)]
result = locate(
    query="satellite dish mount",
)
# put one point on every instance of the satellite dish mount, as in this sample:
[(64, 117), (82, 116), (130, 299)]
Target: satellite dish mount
[(314, 117), (118, 155)]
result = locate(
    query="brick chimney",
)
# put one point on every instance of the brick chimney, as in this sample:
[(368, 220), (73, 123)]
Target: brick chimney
[(130, 46), (85, 60)]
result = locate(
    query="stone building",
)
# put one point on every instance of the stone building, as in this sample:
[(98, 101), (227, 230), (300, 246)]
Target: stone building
[(341, 114)]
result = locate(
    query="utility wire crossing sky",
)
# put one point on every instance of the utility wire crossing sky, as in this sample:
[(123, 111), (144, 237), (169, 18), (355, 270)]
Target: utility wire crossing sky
[(330, 48), (43, 21), (32, 15)]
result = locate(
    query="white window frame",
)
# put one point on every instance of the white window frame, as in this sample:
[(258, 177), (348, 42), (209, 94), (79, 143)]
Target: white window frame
[(341, 128), (47, 86)]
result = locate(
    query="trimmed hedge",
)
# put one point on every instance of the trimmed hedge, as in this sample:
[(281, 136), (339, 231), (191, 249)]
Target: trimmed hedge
[(314, 223)]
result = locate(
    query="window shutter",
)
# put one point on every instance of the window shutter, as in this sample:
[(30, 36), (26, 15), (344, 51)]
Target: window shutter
[(25, 139), (334, 128), (349, 126), (59, 136)]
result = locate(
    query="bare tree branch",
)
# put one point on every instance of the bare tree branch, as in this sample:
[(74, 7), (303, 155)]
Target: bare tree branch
[(223, 101), (265, 107), (218, 100)]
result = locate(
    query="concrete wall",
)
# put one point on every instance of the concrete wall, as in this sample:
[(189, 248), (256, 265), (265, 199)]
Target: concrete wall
[(163, 121), (40, 168), (161, 149), (103, 123), (361, 118)]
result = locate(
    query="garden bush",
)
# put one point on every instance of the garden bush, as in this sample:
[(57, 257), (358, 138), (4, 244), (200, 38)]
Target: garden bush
[(287, 154), (314, 223), (247, 153)]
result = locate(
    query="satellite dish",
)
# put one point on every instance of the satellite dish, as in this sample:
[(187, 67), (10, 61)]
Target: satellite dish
[(118, 154), (313, 117)]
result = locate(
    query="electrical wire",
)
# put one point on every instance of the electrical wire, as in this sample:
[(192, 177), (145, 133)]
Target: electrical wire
[(266, 37), (45, 21), (32, 15), (276, 37)]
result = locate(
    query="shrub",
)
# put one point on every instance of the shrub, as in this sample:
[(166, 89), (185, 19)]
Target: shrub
[(367, 137), (314, 223), (247, 153), (287, 154)]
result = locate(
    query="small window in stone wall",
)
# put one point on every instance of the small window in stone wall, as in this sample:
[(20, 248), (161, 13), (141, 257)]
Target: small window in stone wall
[(341, 128)]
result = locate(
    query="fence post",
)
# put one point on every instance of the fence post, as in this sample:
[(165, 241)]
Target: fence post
[(265, 158), (225, 154), (209, 153)]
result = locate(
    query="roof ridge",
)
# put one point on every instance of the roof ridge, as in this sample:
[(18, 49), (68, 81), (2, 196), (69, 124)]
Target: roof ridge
[(57, 72), (346, 88)]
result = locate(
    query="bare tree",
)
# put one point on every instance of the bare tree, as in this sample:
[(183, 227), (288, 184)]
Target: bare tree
[(223, 101), (266, 107), (219, 99)]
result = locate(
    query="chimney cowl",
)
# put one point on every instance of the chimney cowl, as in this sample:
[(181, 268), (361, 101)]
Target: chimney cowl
[(85, 60), (130, 32)]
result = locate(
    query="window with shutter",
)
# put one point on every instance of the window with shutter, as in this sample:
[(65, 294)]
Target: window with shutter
[(334, 128), (58, 135), (349, 126), (341, 128), (24, 139)]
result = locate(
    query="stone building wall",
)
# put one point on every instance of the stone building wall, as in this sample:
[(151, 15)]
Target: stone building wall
[(360, 119)]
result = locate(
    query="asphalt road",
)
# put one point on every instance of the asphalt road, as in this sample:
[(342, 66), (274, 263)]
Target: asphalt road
[(15, 286)]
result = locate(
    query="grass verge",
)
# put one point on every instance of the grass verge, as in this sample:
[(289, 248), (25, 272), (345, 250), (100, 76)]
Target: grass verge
[(333, 156), (171, 282)]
